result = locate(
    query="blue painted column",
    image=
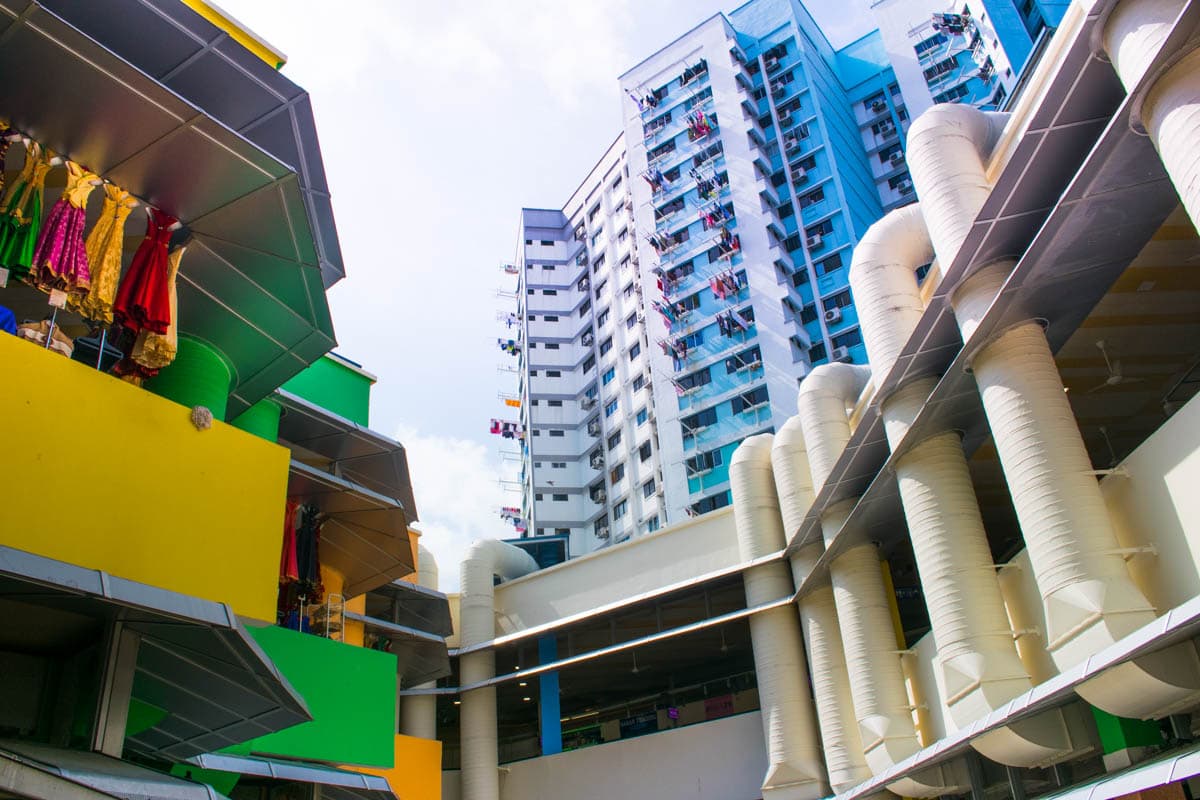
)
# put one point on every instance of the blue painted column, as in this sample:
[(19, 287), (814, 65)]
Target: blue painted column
[(548, 698)]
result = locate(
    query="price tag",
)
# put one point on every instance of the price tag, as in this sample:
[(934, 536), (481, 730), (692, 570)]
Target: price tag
[(3, 278), (58, 298)]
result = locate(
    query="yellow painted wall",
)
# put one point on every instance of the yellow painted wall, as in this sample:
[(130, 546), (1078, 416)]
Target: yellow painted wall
[(108, 476), (416, 773)]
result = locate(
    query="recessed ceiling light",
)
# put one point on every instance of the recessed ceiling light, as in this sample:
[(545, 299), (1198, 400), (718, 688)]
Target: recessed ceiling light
[(522, 683), (458, 702), (526, 699)]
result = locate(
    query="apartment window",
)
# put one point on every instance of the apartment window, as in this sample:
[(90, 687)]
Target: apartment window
[(537, 465), (635, 351), (847, 339), (529, 241), (617, 473), (537, 432), (550, 292), (600, 288), (940, 68), (705, 461), (694, 340), (589, 363), (652, 524), (529, 291), (598, 264), (614, 440), (546, 243), (644, 451), (533, 373), (712, 503), (558, 498), (562, 531), (557, 434), (585, 308), (536, 496), (642, 415), (690, 303), (610, 409), (553, 373), (554, 403), (616, 184), (596, 236), (551, 318), (812, 198), (829, 265), (533, 345), (701, 419), (606, 345), (750, 399), (648, 488), (627, 292), (600, 526), (608, 376), (630, 321), (817, 352), (549, 267), (602, 318), (548, 345), (808, 313), (800, 277), (533, 318), (622, 236), (625, 263), (820, 229), (592, 214), (558, 465), (839, 300), (639, 382), (620, 508), (701, 377), (743, 359)]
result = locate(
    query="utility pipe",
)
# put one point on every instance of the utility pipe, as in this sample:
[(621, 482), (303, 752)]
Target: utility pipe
[(976, 660), (477, 618), (418, 712), (842, 745), (795, 769), (873, 664)]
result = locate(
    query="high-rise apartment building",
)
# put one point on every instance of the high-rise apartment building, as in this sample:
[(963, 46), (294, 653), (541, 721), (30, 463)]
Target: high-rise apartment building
[(591, 467), (699, 272)]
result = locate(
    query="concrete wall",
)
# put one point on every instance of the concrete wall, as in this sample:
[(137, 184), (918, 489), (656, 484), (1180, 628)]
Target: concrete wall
[(720, 760), (672, 555)]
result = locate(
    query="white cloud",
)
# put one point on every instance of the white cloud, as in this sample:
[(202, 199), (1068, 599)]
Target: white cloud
[(458, 497)]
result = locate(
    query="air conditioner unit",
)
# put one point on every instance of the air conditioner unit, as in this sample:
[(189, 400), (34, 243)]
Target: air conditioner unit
[(599, 496), (897, 158), (593, 428), (879, 106), (602, 532), (771, 63), (596, 461), (799, 175), (785, 120), (886, 129), (814, 241), (791, 142), (587, 403), (833, 316), (587, 340), (584, 285), (659, 490), (905, 186), (841, 354)]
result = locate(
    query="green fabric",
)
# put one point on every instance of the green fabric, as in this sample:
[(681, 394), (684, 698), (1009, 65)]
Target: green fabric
[(18, 241), (350, 692), (198, 377), (261, 419), (1121, 733), (336, 387)]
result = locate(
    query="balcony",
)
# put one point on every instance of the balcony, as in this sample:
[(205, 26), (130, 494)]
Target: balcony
[(218, 492)]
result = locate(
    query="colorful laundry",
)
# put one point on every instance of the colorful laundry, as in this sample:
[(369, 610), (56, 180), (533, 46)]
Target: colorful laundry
[(105, 248), (60, 259), (21, 212), (143, 298)]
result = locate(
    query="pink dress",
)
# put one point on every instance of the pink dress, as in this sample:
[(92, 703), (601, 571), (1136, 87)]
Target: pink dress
[(60, 259)]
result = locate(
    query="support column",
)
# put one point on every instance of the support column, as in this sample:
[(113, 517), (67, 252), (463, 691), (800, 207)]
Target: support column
[(116, 690), (1125, 741), (548, 705)]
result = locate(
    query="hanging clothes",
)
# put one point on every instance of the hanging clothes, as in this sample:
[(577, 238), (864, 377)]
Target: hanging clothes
[(6, 137), (60, 258), (289, 569), (105, 248), (143, 298), (21, 212), (153, 351), (308, 557)]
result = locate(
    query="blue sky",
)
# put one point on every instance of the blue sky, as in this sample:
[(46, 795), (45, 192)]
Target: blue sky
[(438, 122)]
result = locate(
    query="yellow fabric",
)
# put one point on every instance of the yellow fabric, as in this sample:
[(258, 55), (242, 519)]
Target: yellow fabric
[(80, 183), (31, 180), (157, 350), (105, 247)]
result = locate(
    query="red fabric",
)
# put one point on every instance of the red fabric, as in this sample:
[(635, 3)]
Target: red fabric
[(143, 298), (289, 570)]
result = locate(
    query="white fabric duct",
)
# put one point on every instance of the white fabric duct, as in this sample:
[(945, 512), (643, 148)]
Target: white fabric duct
[(947, 146), (1171, 114), (418, 713), (795, 769), (1089, 598), (825, 396), (840, 741), (884, 283), (1134, 33), (477, 619)]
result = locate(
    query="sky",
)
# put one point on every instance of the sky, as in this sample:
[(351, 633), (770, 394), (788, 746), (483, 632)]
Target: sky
[(438, 123)]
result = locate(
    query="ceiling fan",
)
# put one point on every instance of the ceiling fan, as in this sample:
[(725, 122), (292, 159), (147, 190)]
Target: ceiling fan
[(1116, 377)]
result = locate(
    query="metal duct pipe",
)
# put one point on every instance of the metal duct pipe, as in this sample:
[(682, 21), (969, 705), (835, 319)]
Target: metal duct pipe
[(840, 741), (795, 769), (418, 713), (977, 662), (874, 670), (477, 618)]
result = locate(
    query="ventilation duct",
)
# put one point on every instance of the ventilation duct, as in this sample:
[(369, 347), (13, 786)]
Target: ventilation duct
[(418, 712), (874, 670), (840, 741), (477, 619), (795, 770), (976, 661)]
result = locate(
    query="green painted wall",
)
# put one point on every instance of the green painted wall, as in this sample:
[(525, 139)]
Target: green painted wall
[(335, 386), (1119, 733), (350, 691)]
